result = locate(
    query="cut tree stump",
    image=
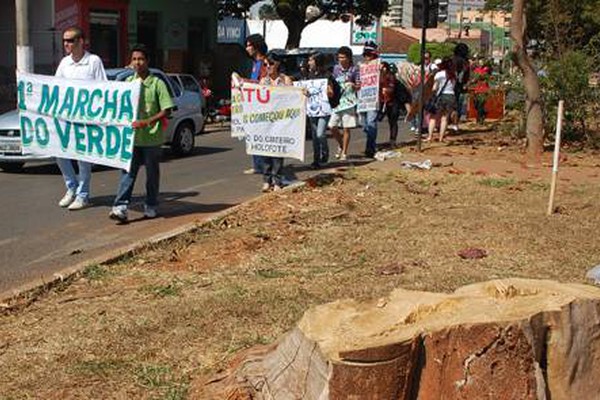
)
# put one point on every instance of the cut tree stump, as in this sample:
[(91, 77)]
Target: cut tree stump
[(504, 339)]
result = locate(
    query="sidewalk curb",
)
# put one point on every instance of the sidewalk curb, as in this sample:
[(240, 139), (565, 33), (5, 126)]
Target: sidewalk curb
[(26, 294)]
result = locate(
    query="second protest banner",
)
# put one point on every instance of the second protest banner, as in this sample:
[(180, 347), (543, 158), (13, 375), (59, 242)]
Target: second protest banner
[(368, 94), (271, 119)]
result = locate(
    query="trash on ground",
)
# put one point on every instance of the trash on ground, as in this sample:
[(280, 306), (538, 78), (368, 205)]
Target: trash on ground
[(472, 253), (594, 274), (416, 165), (386, 155)]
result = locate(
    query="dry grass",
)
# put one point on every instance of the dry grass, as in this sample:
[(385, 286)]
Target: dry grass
[(146, 326)]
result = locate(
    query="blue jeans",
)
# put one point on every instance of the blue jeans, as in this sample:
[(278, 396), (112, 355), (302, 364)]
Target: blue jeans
[(318, 126), (78, 184), (370, 129), (258, 163), (272, 170), (150, 157)]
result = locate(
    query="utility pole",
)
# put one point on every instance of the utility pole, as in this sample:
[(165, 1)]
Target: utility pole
[(424, 23), (24, 48), (460, 26)]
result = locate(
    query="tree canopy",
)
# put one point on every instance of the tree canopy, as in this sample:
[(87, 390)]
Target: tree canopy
[(296, 17)]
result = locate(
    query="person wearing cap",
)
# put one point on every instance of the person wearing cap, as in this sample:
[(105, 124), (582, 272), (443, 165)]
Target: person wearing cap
[(370, 55)]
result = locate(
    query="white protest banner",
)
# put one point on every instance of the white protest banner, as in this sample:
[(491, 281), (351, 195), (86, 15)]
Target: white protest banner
[(368, 94), (317, 103), (78, 119), (272, 119)]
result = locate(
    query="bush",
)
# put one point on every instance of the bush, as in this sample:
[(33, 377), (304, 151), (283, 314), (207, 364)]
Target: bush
[(437, 50), (567, 78)]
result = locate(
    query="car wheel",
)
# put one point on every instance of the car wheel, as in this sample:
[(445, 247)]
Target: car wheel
[(183, 140), (12, 167)]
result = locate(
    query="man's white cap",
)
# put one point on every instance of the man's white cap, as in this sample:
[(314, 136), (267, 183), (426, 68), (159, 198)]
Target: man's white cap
[(437, 61)]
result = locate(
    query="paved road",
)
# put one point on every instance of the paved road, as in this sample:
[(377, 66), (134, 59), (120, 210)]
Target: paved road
[(39, 239)]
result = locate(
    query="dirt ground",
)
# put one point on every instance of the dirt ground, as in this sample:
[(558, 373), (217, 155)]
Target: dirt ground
[(149, 325)]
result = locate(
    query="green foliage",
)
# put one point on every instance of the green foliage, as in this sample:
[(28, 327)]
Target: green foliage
[(95, 272), (437, 50), (567, 79)]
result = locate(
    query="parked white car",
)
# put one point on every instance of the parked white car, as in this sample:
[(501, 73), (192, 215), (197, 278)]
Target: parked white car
[(186, 120)]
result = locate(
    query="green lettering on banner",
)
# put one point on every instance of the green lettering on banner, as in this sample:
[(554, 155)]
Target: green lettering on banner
[(79, 137), (126, 106), (110, 104), (113, 141), (126, 143), (41, 132), (21, 93), (83, 97), (26, 131), (63, 134), (95, 135), (67, 103), (94, 98), (49, 100)]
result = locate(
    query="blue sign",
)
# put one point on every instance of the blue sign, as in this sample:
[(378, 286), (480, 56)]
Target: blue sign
[(231, 30)]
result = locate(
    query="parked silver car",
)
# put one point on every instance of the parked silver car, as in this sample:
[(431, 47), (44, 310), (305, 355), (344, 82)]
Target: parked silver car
[(12, 156), (188, 83), (186, 120)]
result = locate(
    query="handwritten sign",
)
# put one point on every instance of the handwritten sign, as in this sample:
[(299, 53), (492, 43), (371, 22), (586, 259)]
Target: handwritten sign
[(317, 103), (368, 95), (78, 119), (271, 119)]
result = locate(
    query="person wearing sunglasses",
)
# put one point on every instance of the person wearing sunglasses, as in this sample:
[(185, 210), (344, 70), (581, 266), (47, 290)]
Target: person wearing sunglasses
[(77, 64)]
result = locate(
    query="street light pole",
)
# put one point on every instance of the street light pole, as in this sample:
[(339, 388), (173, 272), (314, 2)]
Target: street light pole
[(24, 48)]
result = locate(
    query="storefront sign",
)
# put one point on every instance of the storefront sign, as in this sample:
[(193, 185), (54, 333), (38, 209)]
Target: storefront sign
[(363, 34), (231, 30), (78, 119)]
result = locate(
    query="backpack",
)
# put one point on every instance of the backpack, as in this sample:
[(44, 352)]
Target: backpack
[(334, 92), (401, 93)]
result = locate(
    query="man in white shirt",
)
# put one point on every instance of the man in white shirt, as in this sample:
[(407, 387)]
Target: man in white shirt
[(77, 64)]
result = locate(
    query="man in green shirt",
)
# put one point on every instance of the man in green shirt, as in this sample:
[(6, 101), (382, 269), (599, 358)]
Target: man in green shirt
[(154, 107)]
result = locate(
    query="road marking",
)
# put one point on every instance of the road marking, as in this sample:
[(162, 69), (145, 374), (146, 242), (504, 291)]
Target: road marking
[(211, 183)]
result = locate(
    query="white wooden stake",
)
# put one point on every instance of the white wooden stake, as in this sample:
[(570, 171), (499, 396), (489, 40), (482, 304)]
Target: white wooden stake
[(556, 157)]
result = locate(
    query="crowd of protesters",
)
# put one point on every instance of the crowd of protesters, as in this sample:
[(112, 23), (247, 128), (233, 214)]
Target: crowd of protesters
[(444, 84)]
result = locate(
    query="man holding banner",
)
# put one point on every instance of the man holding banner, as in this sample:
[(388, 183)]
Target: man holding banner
[(77, 64), (154, 107)]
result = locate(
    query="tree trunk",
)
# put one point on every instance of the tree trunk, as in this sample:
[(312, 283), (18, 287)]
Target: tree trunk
[(295, 26), (533, 96)]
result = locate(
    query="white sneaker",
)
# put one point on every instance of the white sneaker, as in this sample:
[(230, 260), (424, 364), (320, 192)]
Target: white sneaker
[(277, 188), (118, 213), (338, 153), (343, 157), (249, 171), (67, 199), (149, 212), (79, 204), (266, 187)]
